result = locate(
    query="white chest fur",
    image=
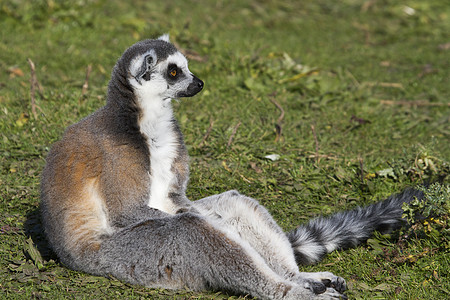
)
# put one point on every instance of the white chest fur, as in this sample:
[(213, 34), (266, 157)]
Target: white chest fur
[(156, 124)]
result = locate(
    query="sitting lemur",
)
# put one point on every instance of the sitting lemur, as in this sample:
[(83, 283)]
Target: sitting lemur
[(113, 200)]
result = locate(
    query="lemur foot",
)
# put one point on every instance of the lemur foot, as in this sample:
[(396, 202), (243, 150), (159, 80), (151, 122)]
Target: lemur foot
[(331, 293), (311, 291), (325, 285), (324, 290), (337, 283)]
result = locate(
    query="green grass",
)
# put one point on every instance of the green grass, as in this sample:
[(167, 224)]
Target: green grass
[(356, 59)]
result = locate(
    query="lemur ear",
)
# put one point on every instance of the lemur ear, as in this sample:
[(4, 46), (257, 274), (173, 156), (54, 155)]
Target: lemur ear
[(141, 66), (164, 37), (150, 58)]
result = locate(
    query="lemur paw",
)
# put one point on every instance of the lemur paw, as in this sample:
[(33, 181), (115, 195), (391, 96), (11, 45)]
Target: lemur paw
[(331, 294), (337, 283), (312, 290), (324, 290), (324, 285)]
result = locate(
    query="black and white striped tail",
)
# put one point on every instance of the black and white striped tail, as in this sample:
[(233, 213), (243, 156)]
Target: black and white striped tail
[(348, 228)]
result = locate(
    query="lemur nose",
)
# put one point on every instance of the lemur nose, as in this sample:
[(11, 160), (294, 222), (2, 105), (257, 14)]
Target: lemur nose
[(194, 87)]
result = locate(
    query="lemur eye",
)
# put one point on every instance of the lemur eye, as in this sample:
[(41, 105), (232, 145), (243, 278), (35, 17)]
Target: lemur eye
[(173, 71), (149, 60)]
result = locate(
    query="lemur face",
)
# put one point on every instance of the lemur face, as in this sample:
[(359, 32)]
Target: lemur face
[(162, 72)]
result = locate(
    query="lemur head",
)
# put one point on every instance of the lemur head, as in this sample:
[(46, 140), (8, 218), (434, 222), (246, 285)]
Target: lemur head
[(156, 69)]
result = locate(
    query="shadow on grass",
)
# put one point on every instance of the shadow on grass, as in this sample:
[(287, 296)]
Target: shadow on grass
[(33, 229)]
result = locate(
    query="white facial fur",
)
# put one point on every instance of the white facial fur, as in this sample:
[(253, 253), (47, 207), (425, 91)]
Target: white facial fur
[(158, 87)]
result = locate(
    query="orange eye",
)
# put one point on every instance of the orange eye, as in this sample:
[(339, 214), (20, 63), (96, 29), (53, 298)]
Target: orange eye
[(173, 73)]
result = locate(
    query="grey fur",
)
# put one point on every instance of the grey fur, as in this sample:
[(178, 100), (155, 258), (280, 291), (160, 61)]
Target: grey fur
[(349, 228), (113, 200)]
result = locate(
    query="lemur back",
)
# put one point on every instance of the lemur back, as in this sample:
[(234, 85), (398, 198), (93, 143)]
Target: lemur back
[(113, 200)]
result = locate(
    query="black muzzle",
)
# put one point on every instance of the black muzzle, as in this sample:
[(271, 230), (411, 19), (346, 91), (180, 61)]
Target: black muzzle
[(194, 87)]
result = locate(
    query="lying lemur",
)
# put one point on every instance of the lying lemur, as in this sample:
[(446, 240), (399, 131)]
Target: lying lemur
[(114, 202)]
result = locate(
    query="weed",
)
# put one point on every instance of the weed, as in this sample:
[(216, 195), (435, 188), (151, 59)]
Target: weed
[(430, 217)]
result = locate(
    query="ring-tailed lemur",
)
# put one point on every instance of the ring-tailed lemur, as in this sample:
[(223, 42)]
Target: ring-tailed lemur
[(114, 203)]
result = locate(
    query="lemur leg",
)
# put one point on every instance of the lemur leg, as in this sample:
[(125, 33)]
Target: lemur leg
[(187, 250), (253, 223)]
